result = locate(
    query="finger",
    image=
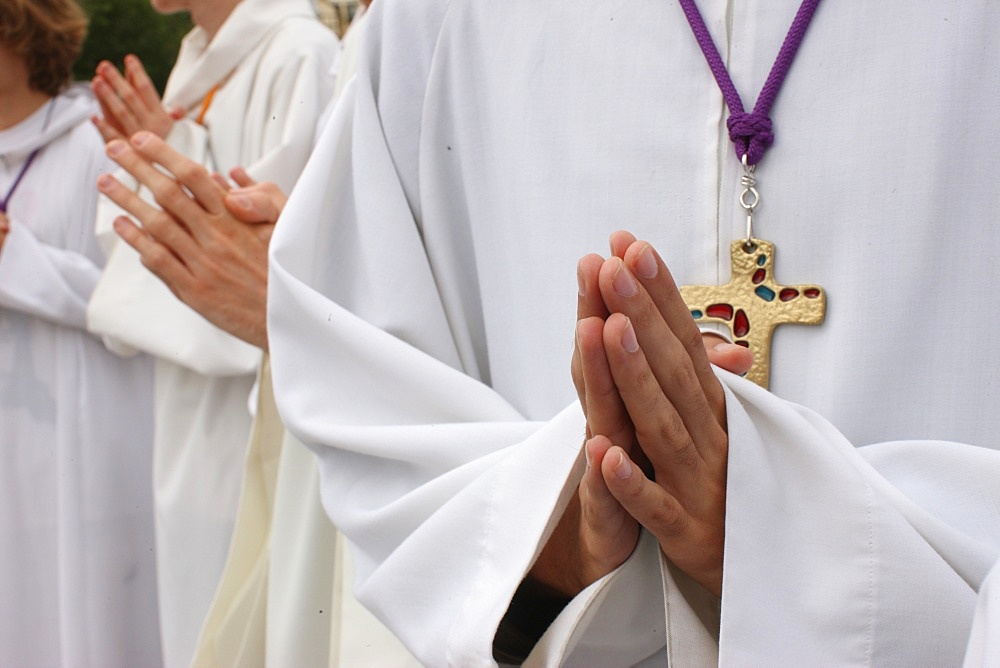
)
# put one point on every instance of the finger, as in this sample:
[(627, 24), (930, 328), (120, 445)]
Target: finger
[(659, 426), (605, 411), (193, 176), (240, 176), (694, 544), (725, 355), (222, 181), (108, 132), (156, 257), (124, 86), (649, 269), (593, 486), (113, 108), (608, 529), (589, 303), (141, 82), (102, 90), (156, 223), (668, 357), (620, 241), (261, 203), (129, 108)]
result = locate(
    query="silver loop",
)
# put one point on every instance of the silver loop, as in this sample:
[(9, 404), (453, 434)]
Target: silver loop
[(749, 183), (749, 206)]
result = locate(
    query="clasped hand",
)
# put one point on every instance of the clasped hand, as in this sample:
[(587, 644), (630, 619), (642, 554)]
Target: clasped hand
[(657, 443), (206, 241), (129, 103)]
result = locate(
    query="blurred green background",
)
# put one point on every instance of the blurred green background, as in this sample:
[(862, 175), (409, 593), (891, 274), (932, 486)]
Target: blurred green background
[(120, 27)]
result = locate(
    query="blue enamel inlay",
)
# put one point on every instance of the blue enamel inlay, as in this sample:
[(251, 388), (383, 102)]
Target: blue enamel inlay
[(761, 259), (696, 314), (765, 293)]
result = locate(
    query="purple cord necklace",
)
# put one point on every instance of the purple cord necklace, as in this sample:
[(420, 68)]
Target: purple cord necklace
[(27, 163), (17, 180), (753, 303)]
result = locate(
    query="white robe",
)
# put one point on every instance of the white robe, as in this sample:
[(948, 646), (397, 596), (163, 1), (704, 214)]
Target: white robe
[(77, 569), (285, 594), (270, 61), (422, 306)]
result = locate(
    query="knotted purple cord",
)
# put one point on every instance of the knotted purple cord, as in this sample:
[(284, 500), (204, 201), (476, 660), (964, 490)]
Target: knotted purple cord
[(20, 175), (750, 133)]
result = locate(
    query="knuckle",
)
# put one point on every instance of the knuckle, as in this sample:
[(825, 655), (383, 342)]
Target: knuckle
[(691, 339), (216, 245), (667, 518), (155, 258), (682, 374), (685, 454), (647, 315), (189, 171), (168, 196)]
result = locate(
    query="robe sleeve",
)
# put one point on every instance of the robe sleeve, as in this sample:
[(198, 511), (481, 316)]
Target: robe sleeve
[(45, 281), (369, 374), (447, 494)]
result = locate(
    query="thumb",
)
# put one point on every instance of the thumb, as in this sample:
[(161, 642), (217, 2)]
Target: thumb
[(253, 205), (729, 356)]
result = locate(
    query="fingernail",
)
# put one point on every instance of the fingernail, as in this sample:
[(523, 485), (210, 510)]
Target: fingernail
[(580, 285), (242, 201), (116, 148), (586, 454), (623, 470), (645, 264), (623, 282), (723, 347), (140, 138), (629, 342), (105, 182)]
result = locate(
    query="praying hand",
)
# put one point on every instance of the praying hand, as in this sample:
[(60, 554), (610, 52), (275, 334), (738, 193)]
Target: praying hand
[(209, 246)]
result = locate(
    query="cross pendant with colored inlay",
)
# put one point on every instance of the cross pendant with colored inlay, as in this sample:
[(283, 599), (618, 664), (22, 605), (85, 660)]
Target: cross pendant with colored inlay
[(753, 303)]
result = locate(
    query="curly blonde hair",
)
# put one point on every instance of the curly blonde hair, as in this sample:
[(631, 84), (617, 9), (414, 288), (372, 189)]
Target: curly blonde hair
[(48, 35)]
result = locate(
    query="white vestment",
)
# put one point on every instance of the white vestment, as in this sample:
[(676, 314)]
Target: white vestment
[(285, 597), (77, 569), (268, 66), (422, 306)]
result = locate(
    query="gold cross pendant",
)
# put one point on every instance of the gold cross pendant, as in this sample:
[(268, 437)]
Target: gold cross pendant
[(753, 303)]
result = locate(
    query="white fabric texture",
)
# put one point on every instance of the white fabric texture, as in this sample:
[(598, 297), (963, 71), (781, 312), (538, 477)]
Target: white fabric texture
[(270, 61), (422, 303), (77, 569)]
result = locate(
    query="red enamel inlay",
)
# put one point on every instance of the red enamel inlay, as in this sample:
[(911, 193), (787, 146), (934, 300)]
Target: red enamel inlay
[(742, 325), (722, 311), (811, 293), (745, 344), (788, 294), (758, 276)]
